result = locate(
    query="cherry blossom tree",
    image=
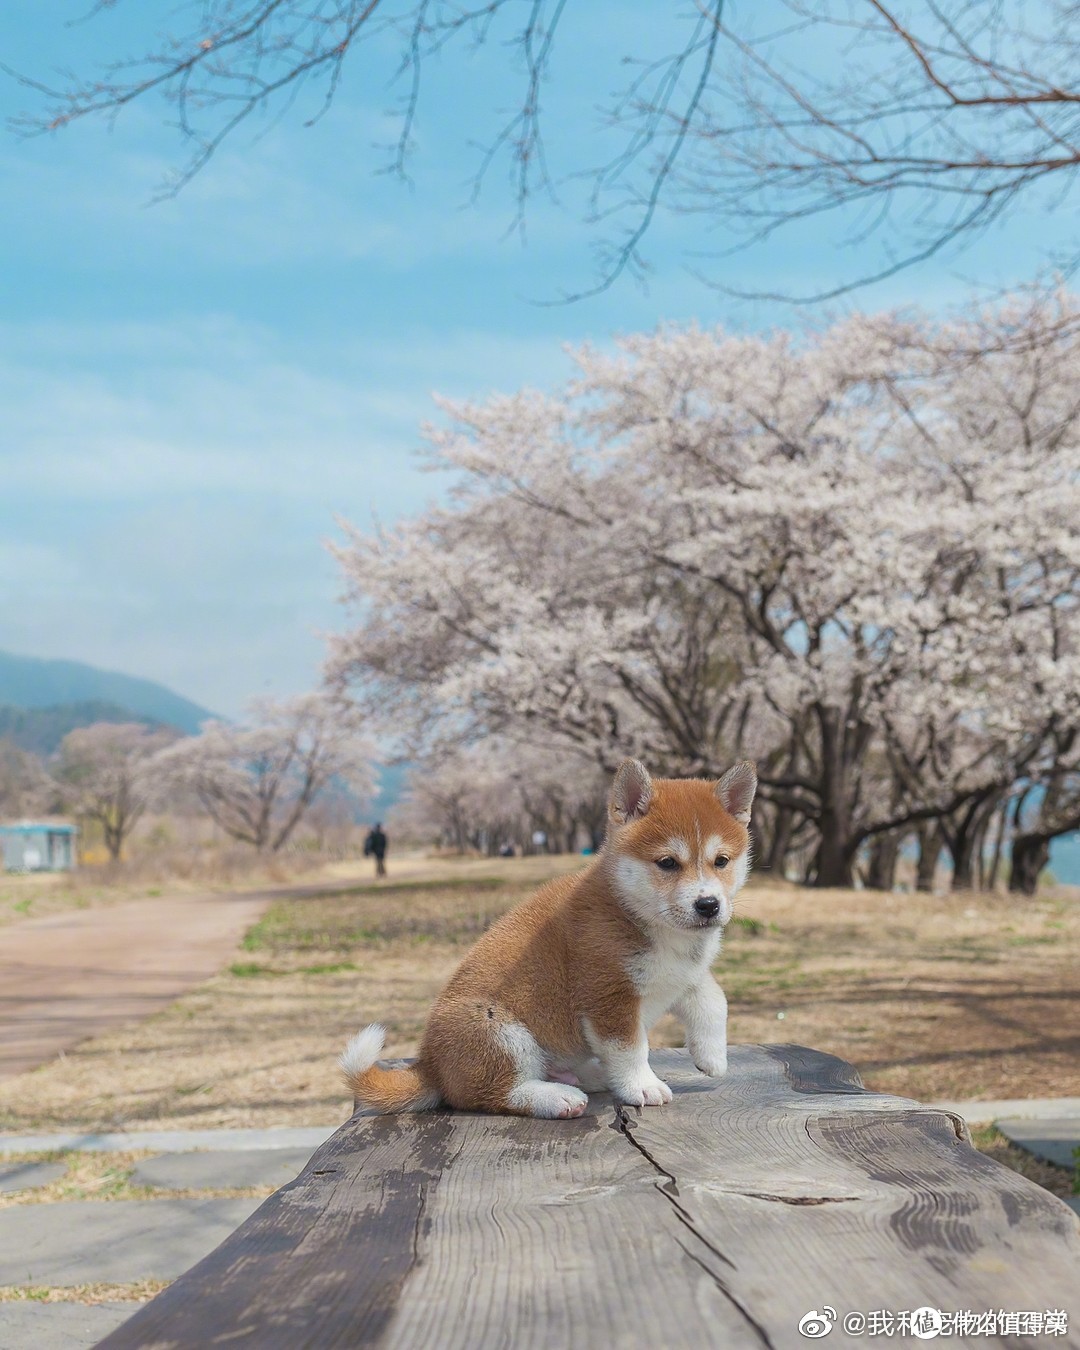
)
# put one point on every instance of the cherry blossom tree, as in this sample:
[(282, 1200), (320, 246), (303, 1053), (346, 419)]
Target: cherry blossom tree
[(108, 773), (849, 557), (25, 785), (257, 781), (498, 792), (1000, 452)]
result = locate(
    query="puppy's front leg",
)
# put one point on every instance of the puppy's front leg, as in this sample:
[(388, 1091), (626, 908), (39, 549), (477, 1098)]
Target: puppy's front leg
[(625, 1065), (703, 1012)]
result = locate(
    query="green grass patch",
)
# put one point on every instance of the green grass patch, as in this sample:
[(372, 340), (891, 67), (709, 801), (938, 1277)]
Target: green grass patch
[(758, 986), (113, 1181), (253, 970), (454, 913), (397, 888), (248, 970)]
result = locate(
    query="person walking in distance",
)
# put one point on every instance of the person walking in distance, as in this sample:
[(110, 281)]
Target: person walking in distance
[(375, 846)]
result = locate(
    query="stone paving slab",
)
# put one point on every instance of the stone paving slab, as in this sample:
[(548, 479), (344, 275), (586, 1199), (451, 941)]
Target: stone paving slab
[(218, 1170), (1012, 1108), (117, 1241), (59, 1326), (173, 1141), (1051, 1140), (29, 1175)]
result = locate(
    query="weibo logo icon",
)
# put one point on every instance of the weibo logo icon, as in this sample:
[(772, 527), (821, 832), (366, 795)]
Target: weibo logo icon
[(817, 1324)]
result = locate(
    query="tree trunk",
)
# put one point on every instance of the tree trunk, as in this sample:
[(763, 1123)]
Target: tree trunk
[(884, 852), (833, 861), (983, 835), (966, 838), (963, 856), (999, 841), (781, 841), (1030, 854), (930, 842)]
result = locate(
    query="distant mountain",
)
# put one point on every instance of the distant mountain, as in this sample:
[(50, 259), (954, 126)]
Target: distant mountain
[(31, 682), (41, 730)]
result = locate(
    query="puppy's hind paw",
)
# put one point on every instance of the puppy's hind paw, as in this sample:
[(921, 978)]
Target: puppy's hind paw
[(548, 1101)]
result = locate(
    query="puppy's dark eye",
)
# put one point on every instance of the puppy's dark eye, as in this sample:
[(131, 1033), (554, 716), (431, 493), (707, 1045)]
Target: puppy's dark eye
[(722, 861), (667, 864)]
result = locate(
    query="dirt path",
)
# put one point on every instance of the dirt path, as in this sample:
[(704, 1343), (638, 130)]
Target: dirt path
[(68, 976)]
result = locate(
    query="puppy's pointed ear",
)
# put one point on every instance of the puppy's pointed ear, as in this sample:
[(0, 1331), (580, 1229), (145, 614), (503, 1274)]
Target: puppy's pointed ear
[(736, 790), (631, 792)]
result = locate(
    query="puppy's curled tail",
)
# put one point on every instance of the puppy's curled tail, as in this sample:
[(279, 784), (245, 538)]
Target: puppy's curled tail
[(383, 1090)]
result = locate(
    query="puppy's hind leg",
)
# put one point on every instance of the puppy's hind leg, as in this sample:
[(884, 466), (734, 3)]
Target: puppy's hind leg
[(531, 1093), (590, 1074), (483, 1059)]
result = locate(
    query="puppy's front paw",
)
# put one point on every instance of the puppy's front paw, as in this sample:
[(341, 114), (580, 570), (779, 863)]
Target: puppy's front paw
[(712, 1060), (712, 1057), (649, 1091)]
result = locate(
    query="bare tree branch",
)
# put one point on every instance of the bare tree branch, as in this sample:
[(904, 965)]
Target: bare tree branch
[(917, 126)]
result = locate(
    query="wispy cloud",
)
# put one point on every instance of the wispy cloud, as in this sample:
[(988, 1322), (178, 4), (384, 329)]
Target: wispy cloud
[(168, 487), (125, 411)]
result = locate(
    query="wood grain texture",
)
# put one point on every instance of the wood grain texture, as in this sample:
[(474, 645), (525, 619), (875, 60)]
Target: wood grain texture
[(716, 1221)]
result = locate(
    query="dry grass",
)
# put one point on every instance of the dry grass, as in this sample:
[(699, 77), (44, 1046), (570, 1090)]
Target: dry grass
[(138, 1292), (31, 897), (36, 895), (993, 1143), (961, 996), (930, 997), (106, 1177), (226, 869)]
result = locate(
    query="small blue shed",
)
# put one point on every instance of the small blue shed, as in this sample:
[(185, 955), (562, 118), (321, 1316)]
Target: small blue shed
[(38, 846)]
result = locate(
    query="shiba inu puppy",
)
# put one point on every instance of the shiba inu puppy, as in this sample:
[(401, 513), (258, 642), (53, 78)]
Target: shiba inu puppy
[(557, 998)]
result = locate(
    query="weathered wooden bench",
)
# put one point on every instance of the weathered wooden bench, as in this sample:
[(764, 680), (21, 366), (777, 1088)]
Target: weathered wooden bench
[(719, 1220)]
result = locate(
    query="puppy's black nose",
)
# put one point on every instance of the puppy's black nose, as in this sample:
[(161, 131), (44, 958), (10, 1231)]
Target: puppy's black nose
[(707, 907)]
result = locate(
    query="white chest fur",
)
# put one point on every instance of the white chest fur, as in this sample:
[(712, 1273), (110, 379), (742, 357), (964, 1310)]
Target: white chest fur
[(671, 964)]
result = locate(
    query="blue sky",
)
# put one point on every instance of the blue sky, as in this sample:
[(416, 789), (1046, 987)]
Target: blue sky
[(193, 391)]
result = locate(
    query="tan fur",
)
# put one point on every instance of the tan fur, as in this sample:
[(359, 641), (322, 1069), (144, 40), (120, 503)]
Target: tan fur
[(388, 1090), (560, 961)]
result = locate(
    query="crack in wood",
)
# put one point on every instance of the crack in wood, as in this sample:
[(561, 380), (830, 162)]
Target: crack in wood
[(420, 1207), (799, 1199), (722, 1286), (623, 1126), (669, 1189)]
